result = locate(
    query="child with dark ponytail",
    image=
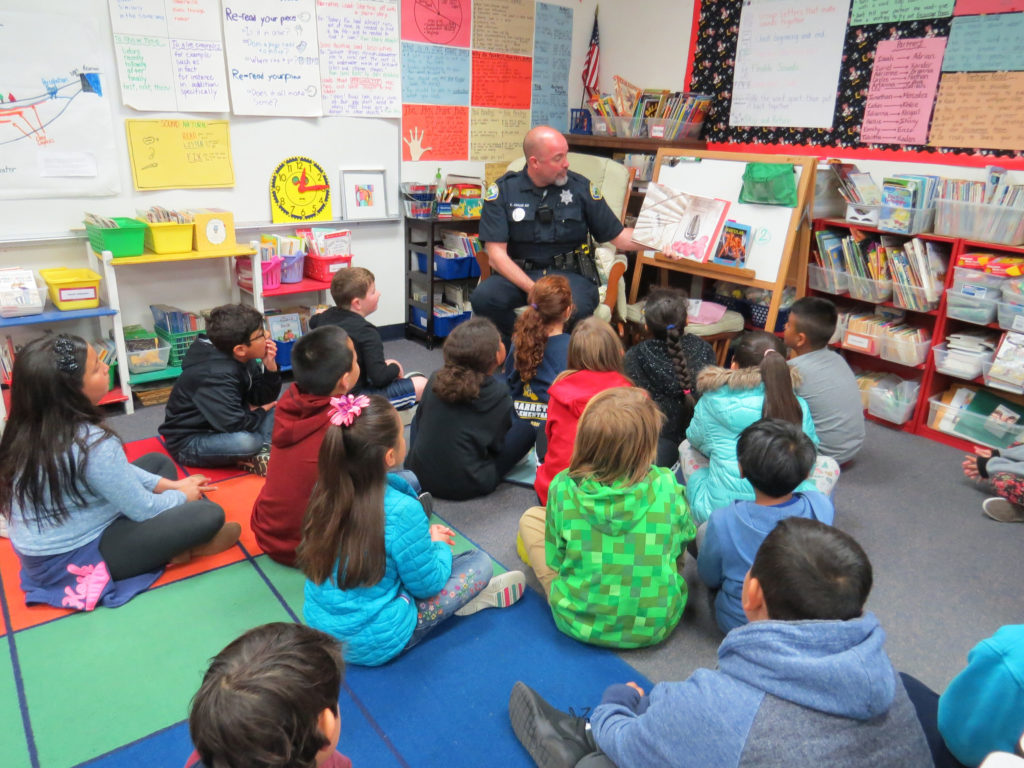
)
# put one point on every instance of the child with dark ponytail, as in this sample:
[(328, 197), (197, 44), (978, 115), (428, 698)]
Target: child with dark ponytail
[(540, 351), (667, 364), (458, 434), (758, 385)]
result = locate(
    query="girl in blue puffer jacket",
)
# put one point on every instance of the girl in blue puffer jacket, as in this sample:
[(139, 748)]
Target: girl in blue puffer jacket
[(378, 576), (758, 385)]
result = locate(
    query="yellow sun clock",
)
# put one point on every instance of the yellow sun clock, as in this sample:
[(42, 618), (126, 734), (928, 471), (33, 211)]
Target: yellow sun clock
[(299, 191)]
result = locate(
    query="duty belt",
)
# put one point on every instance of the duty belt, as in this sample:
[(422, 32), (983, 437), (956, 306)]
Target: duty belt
[(579, 260)]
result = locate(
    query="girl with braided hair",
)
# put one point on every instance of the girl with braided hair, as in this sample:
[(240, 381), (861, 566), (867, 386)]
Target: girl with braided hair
[(667, 364), (540, 351)]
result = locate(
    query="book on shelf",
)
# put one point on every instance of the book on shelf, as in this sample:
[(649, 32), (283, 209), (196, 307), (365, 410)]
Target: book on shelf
[(1008, 362), (990, 420), (678, 224), (951, 405)]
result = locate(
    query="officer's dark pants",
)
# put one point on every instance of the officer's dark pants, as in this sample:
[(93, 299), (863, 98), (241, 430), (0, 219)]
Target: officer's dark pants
[(497, 299)]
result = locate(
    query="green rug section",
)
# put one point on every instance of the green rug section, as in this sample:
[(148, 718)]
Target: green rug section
[(98, 681), (12, 733)]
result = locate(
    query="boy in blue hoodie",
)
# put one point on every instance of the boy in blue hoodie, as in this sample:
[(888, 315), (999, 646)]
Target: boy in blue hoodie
[(807, 682), (775, 456)]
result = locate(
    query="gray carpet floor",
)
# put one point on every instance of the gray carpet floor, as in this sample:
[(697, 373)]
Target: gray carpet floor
[(946, 577)]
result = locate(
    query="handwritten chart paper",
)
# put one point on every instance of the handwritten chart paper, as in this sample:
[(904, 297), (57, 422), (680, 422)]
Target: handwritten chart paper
[(433, 132), (987, 6), (503, 26), (885, 11), (169, 55), (56, 137), (552, 47), (903, 84), (273, 64), (435, 74), (497, 134), (180, 154), (502, 81), (985, 44), (979, 110), (359, 53), (787, 63), (441, 22)]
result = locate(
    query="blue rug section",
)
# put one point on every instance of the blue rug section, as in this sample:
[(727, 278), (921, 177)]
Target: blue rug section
[(168, 748), (445, 702)]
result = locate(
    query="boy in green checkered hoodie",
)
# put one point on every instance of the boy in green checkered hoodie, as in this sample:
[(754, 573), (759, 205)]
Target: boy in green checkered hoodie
[(613, 529)]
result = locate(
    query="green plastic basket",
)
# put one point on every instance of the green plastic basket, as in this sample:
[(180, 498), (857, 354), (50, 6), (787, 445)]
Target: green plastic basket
[(127, 239), (180, 342)]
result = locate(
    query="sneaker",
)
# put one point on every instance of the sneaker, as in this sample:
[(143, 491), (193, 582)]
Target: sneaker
[(554, 739), (258, 464), (500, 592), (521, 550), (427, 500), (1003, 511)]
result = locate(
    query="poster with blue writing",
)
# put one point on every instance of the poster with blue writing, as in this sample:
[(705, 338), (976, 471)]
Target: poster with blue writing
[(435, 74), (552, 49), (273, 57)]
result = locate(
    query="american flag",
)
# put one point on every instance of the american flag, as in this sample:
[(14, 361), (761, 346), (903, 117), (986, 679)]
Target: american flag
[(592, 63)]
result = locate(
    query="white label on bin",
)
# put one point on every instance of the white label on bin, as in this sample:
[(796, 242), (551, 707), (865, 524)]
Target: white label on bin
[(974, 291), (857, 341), (332, 268), (1018, 323), (657, 131), (76, 294)]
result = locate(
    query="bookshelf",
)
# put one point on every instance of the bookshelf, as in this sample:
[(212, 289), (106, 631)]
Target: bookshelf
[(933, 382)]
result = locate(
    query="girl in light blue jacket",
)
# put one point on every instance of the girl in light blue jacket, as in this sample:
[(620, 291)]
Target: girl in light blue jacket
[(759, 385), (378, 576)]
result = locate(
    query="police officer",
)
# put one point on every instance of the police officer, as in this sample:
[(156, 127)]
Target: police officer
[(533, 215)]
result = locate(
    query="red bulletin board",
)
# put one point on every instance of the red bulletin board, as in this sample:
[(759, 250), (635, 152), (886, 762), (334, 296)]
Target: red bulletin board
[(435, 132), (501, 80), (441, 22)]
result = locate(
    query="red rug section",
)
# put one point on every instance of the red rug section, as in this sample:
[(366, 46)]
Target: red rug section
[(235, 493)]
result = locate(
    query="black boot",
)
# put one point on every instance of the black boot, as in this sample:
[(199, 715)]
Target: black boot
[(553, 738)]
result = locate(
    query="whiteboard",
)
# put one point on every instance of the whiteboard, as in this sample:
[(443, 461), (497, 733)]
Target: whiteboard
[(258, 144), (769, 224)]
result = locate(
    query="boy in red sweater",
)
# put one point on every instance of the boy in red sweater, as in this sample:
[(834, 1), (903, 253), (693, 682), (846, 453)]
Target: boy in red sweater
[(324, 365)]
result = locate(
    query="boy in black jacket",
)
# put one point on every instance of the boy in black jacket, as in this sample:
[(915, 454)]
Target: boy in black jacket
[(221, 410), (355, 293)]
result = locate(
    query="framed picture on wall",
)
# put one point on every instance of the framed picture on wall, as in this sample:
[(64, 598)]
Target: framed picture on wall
[(363, 193)]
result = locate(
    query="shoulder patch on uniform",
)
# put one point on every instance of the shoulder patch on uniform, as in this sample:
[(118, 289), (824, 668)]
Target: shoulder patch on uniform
[(492, 192), (595, 192)]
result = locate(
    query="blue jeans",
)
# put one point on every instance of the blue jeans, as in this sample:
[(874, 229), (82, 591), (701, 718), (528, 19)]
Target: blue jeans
[(471, 572), (497, 299), (224, 449)]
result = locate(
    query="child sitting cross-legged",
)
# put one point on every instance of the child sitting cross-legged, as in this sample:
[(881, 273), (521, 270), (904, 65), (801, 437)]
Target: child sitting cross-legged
[(324, 365), (270, 699), (458, 434), (355, 293), (610, 508), (775, 456), (758, 385), (378, 576), (90, 528)]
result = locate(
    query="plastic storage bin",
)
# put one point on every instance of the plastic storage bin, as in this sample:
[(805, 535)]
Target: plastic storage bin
[(284, 354), (168, 237), (1011, 316), (972, 309), (443, 324), (946, 417), (959, 363), (906, 221), (913, 297), (999, 383), (978, 221), (127, 239), (72, 288), (417, 191), (861, 213), (450, 269), (322, 268), (418, 209), (291, 268), (904, 351), (827, 280), (673, 130), (759, 316), (866, 343), (893, 404), (146, 355), (271, 272), (866, 289), (178, 342), (974, 282)]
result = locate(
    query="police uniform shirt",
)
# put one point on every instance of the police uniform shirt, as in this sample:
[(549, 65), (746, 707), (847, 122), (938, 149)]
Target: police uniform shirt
[(540, 222)]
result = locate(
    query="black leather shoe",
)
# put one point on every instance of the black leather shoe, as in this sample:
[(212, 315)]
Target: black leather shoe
[(554, 739)]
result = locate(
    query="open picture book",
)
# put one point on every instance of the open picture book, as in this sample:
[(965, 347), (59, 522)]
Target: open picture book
[(680, 225)]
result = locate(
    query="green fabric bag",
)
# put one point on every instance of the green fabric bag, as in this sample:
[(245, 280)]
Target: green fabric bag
[(769, 184)]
